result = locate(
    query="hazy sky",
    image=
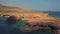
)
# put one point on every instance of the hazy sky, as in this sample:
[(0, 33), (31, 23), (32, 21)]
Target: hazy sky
[(42, 5)]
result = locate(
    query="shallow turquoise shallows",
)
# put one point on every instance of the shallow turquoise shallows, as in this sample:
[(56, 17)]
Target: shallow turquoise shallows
[(18, 25), (16, 28), (2, 18), (41, 31), (12, 27)]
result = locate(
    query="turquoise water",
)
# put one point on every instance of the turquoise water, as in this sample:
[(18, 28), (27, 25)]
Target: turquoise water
[(12, 28), (16, 28)]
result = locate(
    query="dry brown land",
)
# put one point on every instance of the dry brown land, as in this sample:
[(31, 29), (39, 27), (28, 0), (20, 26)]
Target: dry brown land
[(32, 17)]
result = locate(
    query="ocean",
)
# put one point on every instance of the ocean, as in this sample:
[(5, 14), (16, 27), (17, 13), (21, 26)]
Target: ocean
[(55, 14)]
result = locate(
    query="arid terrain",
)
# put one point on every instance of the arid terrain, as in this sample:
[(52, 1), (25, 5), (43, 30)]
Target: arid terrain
[(27, 14), (31, 16)]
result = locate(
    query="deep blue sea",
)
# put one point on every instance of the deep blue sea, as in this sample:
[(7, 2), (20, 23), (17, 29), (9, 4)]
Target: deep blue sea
[(55, 14)]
